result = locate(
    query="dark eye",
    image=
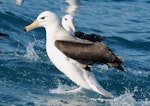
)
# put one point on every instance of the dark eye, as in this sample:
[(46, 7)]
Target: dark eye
[(65, 18), (43, 18)]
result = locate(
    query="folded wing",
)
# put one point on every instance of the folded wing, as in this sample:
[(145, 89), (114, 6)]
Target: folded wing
[(90, 37), (89, 53)]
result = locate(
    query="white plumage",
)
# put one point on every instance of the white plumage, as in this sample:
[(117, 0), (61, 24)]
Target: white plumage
[(70, 67)]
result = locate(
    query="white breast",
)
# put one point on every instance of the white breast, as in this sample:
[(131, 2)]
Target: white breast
[(64, 64)]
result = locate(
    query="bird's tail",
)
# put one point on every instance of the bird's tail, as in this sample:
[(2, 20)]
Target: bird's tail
[(117, 64), (94, 85), (104, 92)]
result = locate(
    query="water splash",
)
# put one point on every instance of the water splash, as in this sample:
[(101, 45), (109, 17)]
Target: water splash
[(139, 72), (31, 54), (19, 2), (102, 68), (64, 89), (126, 99), (74, 6)]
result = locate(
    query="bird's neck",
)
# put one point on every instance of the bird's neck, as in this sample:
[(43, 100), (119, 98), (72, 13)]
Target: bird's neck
[(53, 32), (67, 28), (72, 33)]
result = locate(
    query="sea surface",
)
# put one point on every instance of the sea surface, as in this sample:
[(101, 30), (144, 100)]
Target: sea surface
[(27, 76)]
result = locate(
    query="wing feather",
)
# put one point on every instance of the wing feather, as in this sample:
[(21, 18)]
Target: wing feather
[(89, 53), (97, 52)]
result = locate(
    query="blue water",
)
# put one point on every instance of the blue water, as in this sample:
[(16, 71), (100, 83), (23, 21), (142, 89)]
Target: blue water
[(28, 78)]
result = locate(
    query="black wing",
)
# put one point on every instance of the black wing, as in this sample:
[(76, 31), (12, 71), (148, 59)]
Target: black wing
[(90, 37), (89, 53)]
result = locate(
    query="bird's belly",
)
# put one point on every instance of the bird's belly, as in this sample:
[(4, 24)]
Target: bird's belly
[(63, 63)]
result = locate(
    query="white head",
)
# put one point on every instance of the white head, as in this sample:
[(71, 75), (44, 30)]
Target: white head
[(67, 23), (45, 19)]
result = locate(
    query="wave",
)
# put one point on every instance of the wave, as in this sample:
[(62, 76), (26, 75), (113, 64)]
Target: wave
[(25, 65), (134, 44), (126, 99), (63, 89)]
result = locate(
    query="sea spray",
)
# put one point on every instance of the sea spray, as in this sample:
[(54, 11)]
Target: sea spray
[(31, 54), (64, 89), (126, 99)]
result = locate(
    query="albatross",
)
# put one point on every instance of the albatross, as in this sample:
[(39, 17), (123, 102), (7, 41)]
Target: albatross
[(72, 56), (67, 23)]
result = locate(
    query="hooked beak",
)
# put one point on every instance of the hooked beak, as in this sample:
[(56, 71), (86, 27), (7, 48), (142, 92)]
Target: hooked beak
[(72, 27), (33, 25)]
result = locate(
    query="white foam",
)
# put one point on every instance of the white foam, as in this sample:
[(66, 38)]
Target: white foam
[(64, 89), (70, 102), (141, 73), (19, 2), (31, 54), (102, 68), (125, 99)]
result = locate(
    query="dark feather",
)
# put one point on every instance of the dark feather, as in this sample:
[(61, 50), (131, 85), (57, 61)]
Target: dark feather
[(90, 37), (89, 53)]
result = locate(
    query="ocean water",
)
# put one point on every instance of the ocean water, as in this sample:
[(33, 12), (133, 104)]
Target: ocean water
[(27, 76)]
